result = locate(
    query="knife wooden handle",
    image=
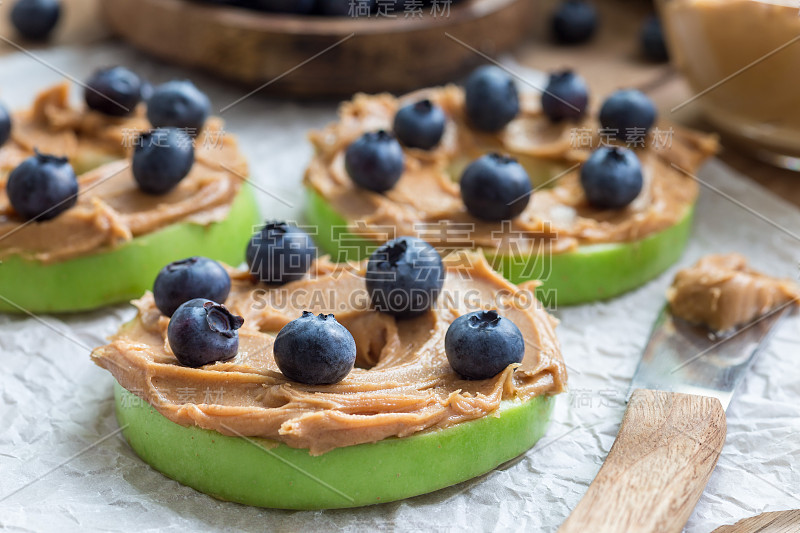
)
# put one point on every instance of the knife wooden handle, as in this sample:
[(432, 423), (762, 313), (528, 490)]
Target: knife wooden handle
[(665, 451)]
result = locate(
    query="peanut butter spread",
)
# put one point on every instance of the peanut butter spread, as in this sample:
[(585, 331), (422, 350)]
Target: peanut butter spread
[(402, 383), (558, 215), (722, 292), (110, 209)]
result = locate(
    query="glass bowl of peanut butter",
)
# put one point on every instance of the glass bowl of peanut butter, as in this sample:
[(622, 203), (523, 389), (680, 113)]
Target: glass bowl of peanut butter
[(741, 60)]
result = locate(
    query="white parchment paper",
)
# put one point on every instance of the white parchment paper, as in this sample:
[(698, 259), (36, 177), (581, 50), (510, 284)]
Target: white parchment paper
[(64, 468)]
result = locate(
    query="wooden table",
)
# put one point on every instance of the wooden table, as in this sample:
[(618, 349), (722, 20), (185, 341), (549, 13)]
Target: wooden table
[(614, 50)]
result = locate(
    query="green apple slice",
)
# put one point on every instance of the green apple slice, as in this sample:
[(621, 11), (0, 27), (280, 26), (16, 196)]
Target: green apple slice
[(264, 473), (592, 272), (125, 272)]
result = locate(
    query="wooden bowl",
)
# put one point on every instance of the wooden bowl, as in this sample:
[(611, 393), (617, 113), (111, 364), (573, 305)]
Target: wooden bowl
[(285, 52)]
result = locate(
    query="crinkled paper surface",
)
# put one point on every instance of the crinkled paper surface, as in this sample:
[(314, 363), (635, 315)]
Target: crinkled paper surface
[(63, 467)]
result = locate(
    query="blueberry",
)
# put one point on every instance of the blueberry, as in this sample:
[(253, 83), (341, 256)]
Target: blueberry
[(5, 124), (652, 38), (491, 98), (280, 253), (298, 7), (161, 159), (375, 161), (419, 125), (187, 279), (113, 91), (42, 187), (566, 96), (574, 22), (611, 177), (35, 19), (201, 332), (627, 113), (178, 104), (495, 187), (404, 277), (482, 344), (315, 350)]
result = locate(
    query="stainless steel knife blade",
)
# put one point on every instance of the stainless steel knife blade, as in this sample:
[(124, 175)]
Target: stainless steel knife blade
[(682, 357)]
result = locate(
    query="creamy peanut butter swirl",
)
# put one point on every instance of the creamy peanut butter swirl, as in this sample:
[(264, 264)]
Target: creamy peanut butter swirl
[(558, 215), (402, 385), (111, 209), (722, 292)]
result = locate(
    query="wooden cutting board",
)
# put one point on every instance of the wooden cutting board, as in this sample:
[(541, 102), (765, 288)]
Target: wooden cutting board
[(330, 56)]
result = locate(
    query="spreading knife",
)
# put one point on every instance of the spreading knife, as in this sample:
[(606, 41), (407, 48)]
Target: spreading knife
[(673, 429)]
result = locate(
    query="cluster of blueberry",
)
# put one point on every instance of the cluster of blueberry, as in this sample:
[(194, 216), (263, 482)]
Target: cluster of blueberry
[(404, 278), (43, 186), (496, 187), (576, 21)]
